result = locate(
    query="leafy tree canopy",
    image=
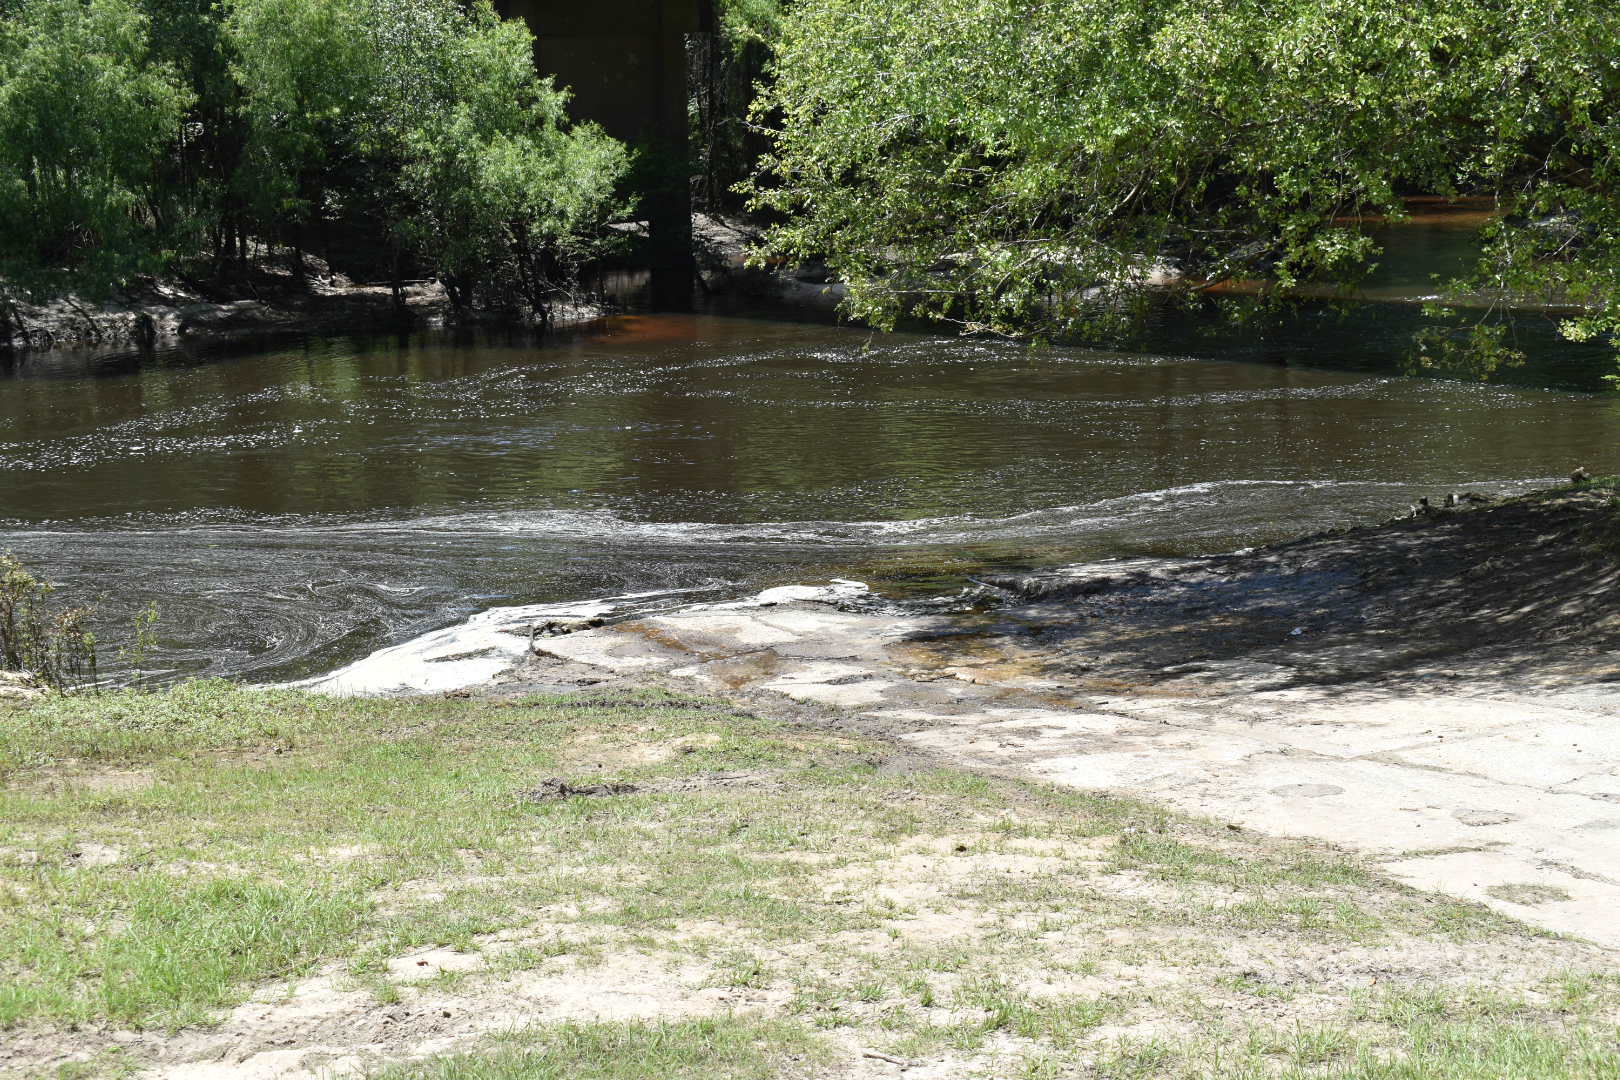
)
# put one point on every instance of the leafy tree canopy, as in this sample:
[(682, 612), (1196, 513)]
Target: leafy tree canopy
[(1032, 165), (500, 186), (86, 113), (133, 132)]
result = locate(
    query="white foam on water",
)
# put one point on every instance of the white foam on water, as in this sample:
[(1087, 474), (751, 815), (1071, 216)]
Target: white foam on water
[(606, 526)]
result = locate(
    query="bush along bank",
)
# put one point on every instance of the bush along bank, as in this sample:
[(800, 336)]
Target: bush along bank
[(395, 140)]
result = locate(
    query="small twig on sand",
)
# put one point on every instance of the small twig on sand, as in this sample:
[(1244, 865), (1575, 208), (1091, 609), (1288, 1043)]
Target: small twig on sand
[(902, 1062)]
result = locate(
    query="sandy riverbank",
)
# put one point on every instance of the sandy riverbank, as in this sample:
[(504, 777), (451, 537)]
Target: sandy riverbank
[(1439, 692), (1036, 829), (212, 883)]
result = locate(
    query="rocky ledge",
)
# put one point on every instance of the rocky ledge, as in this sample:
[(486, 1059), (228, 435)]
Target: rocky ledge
[(269, 301), (159, 312), (1519, 590)]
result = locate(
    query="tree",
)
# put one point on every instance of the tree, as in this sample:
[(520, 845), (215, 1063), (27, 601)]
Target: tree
[(305, 79), (494, 187), (723, 71), (190, 36), (420, 126), (87, 119), (428, 119), (1553, 108), (1032, 165)]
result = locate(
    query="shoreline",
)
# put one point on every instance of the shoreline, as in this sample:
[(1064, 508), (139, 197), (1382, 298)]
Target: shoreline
[(1435, 692), (269, 301), (816, 834), (164, 313)]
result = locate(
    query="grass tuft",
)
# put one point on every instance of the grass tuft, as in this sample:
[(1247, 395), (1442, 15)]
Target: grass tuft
[(718, 1048)]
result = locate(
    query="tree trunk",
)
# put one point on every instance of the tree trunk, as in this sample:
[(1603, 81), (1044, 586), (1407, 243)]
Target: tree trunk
[(298, 254)]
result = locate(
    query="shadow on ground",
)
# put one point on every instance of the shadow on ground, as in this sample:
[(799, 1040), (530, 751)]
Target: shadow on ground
[(1514, 590)]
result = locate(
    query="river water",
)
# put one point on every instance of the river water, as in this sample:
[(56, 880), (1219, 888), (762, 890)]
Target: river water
[(291, 507), (294, 507)]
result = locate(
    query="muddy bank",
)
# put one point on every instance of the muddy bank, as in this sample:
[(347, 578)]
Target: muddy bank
[(269, 302), (164, 312)]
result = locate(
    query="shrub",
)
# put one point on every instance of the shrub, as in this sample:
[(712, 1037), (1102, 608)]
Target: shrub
[(52, 645), (87, 118)]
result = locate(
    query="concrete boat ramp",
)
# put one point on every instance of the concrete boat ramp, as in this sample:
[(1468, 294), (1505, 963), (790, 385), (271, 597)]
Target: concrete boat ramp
[(1509, 797)]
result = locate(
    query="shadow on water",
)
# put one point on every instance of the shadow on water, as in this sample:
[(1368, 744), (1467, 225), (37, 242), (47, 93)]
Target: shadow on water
[(1373, 327)]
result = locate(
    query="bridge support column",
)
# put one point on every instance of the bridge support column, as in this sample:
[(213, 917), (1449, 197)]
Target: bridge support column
[(625, 61)]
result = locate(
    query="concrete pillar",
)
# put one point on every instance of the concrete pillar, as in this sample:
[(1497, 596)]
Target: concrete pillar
[(625, 61)]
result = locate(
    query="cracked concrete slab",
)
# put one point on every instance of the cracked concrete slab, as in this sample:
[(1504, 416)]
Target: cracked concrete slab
[(1535, 890), (1535, 753), (1341, 729)]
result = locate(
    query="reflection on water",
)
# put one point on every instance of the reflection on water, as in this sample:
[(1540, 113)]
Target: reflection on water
[(1435, 245), (294, 507)]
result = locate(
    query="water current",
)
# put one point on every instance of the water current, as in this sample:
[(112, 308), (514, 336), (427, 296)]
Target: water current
[(291, 507)]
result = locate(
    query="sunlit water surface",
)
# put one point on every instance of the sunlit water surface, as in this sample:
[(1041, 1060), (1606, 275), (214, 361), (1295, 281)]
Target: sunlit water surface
[(290, 508)]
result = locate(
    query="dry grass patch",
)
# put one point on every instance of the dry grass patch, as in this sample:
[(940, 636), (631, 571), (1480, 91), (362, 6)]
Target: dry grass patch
[(373, 888)]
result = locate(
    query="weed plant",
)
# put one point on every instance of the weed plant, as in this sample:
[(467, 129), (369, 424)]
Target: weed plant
[(53, 646)]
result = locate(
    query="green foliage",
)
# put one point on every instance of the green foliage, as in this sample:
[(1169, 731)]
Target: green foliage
[(1025, 165), (724, 72), (430, 118), (133, 132), (52, 645), (302, 68), (1460, 348), (141, 644), (87, 118), (741, 21), (495, 183)]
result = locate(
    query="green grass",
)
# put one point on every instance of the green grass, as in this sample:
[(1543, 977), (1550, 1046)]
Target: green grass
[(164, 856), (726, 1048), (227, 875)]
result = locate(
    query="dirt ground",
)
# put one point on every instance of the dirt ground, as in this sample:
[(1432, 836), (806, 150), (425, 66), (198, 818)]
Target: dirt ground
[(842, 912)]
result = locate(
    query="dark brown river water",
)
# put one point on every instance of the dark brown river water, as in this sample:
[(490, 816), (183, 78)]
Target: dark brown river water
[(292, 507)]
